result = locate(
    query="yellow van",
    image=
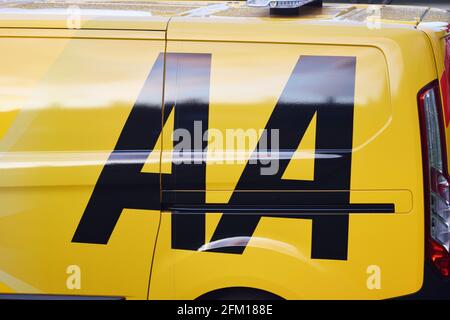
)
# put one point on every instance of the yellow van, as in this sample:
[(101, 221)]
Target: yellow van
[(213, 149)]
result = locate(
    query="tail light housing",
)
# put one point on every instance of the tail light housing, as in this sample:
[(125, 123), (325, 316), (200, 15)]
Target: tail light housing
[(437, 182)]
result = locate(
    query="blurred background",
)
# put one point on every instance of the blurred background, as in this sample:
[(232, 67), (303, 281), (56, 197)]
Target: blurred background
[(444, 4)]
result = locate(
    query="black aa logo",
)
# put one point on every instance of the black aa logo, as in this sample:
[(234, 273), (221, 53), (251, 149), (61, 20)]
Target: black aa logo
[(319, 85)]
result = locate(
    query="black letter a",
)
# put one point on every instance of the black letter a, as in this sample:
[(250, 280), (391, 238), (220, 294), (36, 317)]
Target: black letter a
[(121, 183)]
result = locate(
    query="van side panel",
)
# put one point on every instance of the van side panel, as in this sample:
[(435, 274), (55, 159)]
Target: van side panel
[(293, 254), (64, 101)]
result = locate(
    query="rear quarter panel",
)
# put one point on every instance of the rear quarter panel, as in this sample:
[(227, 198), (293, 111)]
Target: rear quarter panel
[(393, 64)]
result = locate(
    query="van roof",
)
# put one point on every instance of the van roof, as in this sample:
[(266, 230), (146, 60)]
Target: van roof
[(154, 15)]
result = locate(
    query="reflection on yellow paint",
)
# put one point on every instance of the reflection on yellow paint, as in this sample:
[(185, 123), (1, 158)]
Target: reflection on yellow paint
[(6, 120)]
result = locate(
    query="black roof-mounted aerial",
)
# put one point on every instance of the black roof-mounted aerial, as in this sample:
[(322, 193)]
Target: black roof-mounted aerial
[(283, 7)]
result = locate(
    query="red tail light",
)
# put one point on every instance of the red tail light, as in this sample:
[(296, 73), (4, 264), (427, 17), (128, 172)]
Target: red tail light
[(439, 257), (437, 190)]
